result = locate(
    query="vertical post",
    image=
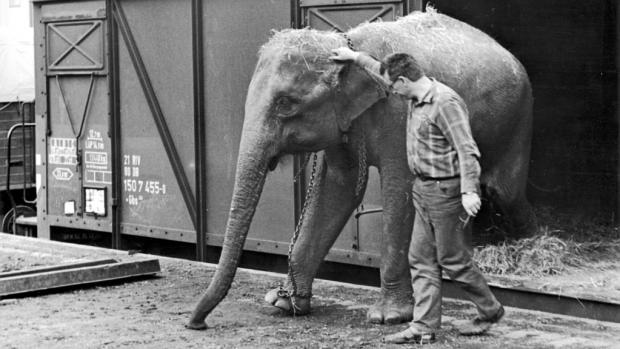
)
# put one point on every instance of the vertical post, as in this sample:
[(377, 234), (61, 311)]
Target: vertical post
[(114, 128), (617, 69), (43, 128), (295, 14), (200, 143), (413, 5), (300, 186)]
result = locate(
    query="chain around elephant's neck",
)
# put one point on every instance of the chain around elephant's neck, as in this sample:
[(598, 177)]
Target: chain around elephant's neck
[(349, 41)]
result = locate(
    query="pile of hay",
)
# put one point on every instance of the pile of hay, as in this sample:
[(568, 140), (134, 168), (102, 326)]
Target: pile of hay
[(547, 253)]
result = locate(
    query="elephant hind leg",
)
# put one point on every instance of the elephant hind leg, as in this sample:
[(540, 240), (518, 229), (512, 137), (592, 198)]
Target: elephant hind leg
[(520, 219), (506, 182)]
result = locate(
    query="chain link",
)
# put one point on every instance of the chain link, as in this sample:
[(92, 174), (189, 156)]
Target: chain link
[(309, 192), (349, 41)]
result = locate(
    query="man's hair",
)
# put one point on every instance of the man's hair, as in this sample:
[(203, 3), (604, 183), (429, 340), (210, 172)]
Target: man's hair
[(401, 64)]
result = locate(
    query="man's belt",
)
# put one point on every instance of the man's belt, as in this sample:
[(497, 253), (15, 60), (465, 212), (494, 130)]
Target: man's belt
[(426, 178)]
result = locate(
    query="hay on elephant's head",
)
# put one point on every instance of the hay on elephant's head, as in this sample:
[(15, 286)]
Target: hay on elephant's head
[(312, 46)]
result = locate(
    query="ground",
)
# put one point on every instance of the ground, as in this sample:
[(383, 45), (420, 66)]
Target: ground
[(150, 313)]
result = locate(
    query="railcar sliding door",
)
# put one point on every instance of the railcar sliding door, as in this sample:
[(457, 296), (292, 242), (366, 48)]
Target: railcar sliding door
[(360, 241), (74, 169)]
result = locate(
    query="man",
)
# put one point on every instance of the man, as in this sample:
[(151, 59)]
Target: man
[(445, 160)]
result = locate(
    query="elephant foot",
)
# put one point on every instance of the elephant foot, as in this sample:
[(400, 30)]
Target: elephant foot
[(385, 312), (198, 326), (295, 305)]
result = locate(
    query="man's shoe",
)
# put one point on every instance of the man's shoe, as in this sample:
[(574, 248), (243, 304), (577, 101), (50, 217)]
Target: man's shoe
[(410, 335), (479, 326)]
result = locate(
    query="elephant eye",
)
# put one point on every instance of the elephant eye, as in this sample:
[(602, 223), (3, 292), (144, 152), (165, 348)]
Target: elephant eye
[(285, 106)]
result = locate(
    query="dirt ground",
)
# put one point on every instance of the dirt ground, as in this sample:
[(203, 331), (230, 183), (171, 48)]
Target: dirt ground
[(150, 313)]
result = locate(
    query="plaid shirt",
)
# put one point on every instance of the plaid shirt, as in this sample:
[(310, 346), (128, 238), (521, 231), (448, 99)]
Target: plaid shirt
[(439, 139)]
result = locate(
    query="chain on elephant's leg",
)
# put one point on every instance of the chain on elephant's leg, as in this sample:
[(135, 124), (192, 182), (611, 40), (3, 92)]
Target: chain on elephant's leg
[(303, 306), (288, 298), (329, 207), (295, 305)]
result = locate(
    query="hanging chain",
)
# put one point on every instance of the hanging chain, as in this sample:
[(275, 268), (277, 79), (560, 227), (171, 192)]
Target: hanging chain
[(309, 192), (361, 179), (362, 169), (302, 167)]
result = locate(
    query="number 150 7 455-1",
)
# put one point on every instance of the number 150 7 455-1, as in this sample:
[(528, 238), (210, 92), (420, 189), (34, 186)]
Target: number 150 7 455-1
[(140, 186)]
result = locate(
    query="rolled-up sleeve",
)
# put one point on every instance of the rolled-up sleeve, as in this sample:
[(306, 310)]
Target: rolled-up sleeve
[(453, 120), (365, 61)]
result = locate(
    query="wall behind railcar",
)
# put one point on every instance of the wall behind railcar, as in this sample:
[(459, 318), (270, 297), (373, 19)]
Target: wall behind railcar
[(569, 50)]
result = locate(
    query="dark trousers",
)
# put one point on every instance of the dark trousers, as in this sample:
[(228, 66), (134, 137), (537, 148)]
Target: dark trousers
[(440, 241)]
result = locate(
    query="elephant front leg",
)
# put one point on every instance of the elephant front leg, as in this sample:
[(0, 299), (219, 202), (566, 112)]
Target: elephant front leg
[(330, 205), (396, 303)]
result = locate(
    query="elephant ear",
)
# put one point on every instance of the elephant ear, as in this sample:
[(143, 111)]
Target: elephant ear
[(356, 90)]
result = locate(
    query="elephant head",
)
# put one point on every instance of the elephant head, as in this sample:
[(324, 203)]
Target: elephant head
[(298, 101)]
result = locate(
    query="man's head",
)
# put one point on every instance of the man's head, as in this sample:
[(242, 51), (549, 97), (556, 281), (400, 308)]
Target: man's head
[(401, 69)]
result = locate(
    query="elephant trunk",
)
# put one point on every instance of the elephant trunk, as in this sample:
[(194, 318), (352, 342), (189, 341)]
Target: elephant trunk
[(252, 167)]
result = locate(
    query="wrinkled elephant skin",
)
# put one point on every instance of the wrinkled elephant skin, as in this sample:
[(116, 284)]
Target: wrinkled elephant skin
[(300, 101)]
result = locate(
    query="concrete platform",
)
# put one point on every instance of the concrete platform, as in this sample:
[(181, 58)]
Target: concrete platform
[(151, 313)]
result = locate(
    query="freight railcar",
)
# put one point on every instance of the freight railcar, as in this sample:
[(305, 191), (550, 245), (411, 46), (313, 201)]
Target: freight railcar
[(139, 110), (139, 113)]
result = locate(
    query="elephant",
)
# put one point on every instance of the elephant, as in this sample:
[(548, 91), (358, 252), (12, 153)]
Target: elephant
[(300, 101)]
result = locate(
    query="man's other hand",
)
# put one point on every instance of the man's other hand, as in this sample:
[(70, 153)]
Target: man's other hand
[(471, 203), (343, 54)]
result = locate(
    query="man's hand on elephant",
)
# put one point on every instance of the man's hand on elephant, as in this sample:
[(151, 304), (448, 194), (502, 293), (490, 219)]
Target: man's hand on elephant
[(471, 203), (343, 54)]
